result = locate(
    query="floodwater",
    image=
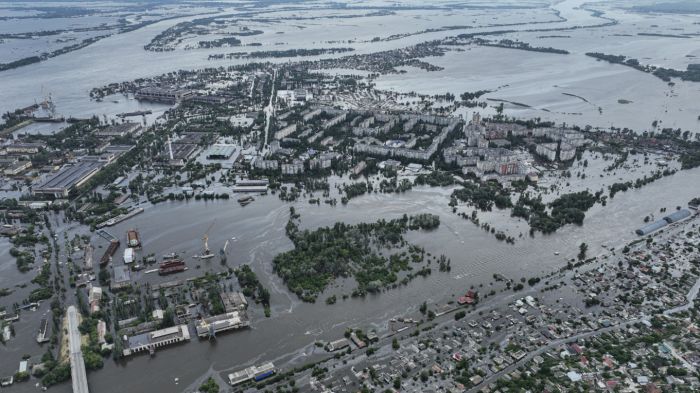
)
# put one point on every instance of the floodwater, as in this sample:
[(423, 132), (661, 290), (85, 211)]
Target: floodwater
[(289, 335), (531, 78), (256, 232)]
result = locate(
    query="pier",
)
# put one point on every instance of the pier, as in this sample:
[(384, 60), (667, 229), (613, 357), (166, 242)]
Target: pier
[(77, 364), (122, 217)]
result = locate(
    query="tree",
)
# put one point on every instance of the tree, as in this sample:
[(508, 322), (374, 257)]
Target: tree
[(168, 318), (582, 249), (395, 344), (210, 386)]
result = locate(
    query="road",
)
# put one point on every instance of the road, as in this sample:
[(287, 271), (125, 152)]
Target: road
[(270, 109), (77, 364), (493, 377), (691, 300)]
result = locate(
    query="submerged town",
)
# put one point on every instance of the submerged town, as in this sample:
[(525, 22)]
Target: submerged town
[(141, 235)]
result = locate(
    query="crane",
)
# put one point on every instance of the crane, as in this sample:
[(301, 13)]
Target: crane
[(222, 253), (207, 253)]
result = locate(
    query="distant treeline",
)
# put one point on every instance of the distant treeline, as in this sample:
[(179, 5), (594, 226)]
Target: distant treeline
[(514, 44), (283, 53), (692, 73), (36, 59)]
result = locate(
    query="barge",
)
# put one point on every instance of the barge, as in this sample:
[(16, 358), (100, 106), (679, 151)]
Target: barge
[(172, 265), (133, 239), (113, 246)]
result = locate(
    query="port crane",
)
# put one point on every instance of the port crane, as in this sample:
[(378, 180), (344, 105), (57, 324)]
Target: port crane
[(222, 252), (207, 252)]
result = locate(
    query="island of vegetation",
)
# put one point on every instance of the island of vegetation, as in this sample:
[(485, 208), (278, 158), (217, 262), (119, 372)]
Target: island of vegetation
[(361, 251), (692, 73)]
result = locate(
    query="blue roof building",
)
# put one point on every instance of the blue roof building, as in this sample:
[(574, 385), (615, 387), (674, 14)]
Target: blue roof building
[(677, 216), (653, 227)]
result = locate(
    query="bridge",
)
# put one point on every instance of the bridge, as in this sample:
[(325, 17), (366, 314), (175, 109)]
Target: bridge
[(77, 364)]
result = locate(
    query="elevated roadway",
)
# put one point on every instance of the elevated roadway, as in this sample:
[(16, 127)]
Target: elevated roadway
[(77, 364)]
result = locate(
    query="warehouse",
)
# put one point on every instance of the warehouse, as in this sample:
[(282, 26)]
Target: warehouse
[(119, 130), (677, 216), (68, 178), (653, 227), (221, 152)]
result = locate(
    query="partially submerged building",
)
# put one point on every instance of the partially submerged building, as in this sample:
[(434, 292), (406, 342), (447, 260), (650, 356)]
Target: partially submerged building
[(152, 340)]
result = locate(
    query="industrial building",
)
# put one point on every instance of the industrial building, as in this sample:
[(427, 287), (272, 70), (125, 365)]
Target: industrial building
[(68, 178), (24, 148), (221, 152), (122, 277), (234, 301), (677, 216), (670, 219), (152, 340), (250, 185), (653, 227), (337, 345), (210, 327), (241, 120), (158, 94), (17, 167), (244, 189), (252, 182), (255, 373), (119, 130), (208, 99)]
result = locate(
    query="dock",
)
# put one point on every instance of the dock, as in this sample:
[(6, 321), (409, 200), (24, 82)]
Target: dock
[(255, 373), (43, 329), (106, 235), (122, 217)]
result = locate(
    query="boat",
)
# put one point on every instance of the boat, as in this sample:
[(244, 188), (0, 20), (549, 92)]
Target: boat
[(113, 246), (172, 265), (245, 200), (49, 119), (136, 113), (132, 238)]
